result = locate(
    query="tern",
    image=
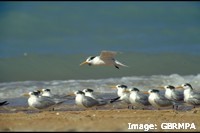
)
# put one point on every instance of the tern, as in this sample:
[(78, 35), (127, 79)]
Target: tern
[(85, 101), (157, 100), (90, 93), (123, 94), (106, 58), (173, 94), (37, 101), (137, 98), (190, 96)]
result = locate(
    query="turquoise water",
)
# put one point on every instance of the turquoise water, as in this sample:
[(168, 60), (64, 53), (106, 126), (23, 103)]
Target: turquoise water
[(44, 41)]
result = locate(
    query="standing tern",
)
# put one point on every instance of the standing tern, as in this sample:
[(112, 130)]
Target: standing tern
[(173, 94), (85, 101), (138, 99), (90, 93), (157, 100), (106, 58), (190, 96), (37, 101), (123, 94)]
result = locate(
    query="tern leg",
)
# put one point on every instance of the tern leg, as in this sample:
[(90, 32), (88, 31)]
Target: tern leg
[(177, 107), (117, 67)]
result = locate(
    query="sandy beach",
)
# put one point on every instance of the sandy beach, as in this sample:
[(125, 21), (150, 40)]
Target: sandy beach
[(99, 120)]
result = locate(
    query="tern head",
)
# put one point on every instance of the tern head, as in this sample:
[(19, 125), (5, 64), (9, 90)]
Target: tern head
[(134, 90), (88, 90), (37, 92), (88, 61), (79, 93), (32, 93), (121, 86), (153, 91), (187, 86), (169, 87), (46, 90)]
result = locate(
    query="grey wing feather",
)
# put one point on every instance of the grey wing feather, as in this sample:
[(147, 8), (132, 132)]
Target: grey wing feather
[(193, 101), (196, 95), (107, 54), (46, 102), (178, 96), (162, 101), (89, 102), (142, 99)]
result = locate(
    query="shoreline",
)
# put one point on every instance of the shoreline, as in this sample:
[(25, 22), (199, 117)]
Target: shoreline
[(97, 120)]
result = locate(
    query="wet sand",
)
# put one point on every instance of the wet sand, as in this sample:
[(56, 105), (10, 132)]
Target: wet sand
[(97, 120)]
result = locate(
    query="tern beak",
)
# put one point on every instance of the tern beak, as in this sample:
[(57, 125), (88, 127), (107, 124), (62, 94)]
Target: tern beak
[(179, 87), (40, 90), (112, 87), (83, 63), (26, 95), (71, 94), (126, 91), (145, 92), (161, 87)]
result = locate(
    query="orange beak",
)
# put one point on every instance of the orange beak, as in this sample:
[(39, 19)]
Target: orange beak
[(26, 95), (126, 91), (179, 87), (83, 63), (71, 94), (113, 87), (161, 87), (145, 92)]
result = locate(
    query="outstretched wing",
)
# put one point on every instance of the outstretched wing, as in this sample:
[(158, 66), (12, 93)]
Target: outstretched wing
[(107, 54)]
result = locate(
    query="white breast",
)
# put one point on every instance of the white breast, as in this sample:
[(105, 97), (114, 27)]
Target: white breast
[(79, 99), (32, 101), (151, 99), (133, 97), (168, 94)]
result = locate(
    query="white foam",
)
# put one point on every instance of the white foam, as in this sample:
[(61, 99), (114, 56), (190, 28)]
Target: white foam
[(16, 89)]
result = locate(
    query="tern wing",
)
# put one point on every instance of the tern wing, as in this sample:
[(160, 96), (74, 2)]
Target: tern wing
[(162, 101), (195, 98), (107, 54), (194, 101), (47, 101), (142, 99), (89, 102), (177, 95), (195, 95)]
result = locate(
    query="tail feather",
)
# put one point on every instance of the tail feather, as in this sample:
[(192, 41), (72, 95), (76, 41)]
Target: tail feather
[(114, 99), (120, 64), (4, 103)]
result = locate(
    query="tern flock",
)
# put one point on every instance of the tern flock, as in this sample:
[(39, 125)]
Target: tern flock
[(42, 99)]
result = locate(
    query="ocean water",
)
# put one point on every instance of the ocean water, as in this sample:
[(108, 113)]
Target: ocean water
[(43, 43)]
